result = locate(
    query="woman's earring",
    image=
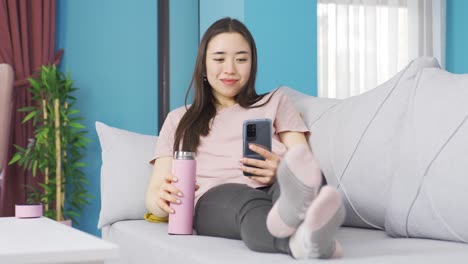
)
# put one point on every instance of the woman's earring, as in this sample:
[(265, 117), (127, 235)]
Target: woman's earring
[(204, 78)]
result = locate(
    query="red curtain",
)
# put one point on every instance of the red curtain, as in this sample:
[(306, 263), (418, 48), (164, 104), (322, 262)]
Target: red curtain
[(27, 41)]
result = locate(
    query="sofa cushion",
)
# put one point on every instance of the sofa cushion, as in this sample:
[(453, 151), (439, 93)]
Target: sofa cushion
[(354, 138), (429, 190), (141, 241), (125, 173)]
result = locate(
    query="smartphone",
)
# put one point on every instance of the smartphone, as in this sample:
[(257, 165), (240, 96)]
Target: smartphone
[(259, 132)]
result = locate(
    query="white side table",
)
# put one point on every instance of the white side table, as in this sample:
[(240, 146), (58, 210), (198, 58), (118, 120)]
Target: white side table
[(41, 240)]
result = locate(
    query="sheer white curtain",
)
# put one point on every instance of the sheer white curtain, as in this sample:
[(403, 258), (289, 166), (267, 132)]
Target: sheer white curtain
[(362, 43)]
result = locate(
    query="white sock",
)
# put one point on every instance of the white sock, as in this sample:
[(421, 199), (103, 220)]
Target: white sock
[(299, 179), (315, 237)]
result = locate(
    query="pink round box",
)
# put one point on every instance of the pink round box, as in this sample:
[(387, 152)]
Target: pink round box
[(28, 210)]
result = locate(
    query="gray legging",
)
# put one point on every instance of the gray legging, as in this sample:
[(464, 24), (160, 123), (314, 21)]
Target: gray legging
[(237, 211)]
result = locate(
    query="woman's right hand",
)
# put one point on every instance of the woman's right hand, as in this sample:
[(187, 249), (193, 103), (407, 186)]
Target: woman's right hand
[(169, 193)]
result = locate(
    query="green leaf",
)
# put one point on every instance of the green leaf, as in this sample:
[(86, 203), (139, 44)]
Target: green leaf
[(84, 181), (80, 164), (87, 195), (73, 111), (76, 125), (34, 170), (72, 213), (47, 189), (15, 158), (27, 109), (29, 116), (19, 148), (34, 83)]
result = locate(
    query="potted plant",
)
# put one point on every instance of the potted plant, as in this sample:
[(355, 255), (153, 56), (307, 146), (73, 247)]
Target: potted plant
[(57, 148)]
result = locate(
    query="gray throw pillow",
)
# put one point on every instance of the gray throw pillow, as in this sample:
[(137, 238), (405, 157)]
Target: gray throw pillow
[(125, 173)]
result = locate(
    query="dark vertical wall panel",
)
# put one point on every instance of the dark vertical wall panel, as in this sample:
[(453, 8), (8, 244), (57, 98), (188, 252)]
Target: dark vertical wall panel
[(163, 61)]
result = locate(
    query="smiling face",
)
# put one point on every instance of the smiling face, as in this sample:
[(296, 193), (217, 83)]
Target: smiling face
[(228, 66)]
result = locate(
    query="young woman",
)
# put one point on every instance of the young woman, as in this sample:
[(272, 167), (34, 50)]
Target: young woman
[(283, 206)]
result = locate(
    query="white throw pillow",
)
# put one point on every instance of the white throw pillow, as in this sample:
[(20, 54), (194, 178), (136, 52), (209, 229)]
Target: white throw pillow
[(125, 173)]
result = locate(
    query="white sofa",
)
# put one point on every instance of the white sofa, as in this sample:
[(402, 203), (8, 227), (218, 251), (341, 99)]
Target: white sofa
[(398, 154)]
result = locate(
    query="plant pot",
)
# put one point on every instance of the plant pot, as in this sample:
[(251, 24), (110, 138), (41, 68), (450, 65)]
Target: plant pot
[(67, 222)]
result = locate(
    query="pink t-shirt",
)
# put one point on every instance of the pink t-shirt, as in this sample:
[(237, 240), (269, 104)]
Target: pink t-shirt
[(219, 153)]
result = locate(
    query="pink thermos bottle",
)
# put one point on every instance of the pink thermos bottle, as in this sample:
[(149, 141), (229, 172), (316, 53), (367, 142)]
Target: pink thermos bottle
[(184, 169)]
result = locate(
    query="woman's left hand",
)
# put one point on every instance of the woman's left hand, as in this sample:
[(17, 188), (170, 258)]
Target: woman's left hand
[(265, 170)]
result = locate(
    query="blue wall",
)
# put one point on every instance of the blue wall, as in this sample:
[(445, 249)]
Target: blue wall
[(212, 10), (111, 51), (457, 36), (285, 34)]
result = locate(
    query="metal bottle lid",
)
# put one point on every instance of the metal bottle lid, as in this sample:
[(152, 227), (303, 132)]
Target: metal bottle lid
[(184, 155)]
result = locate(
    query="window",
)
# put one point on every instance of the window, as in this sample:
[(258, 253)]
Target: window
[(363, 43)]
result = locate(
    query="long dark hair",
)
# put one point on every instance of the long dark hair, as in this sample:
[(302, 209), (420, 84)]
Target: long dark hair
[(196, 121)]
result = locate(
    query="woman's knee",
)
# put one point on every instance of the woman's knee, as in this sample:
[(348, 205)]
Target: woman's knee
[(253, 228)]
